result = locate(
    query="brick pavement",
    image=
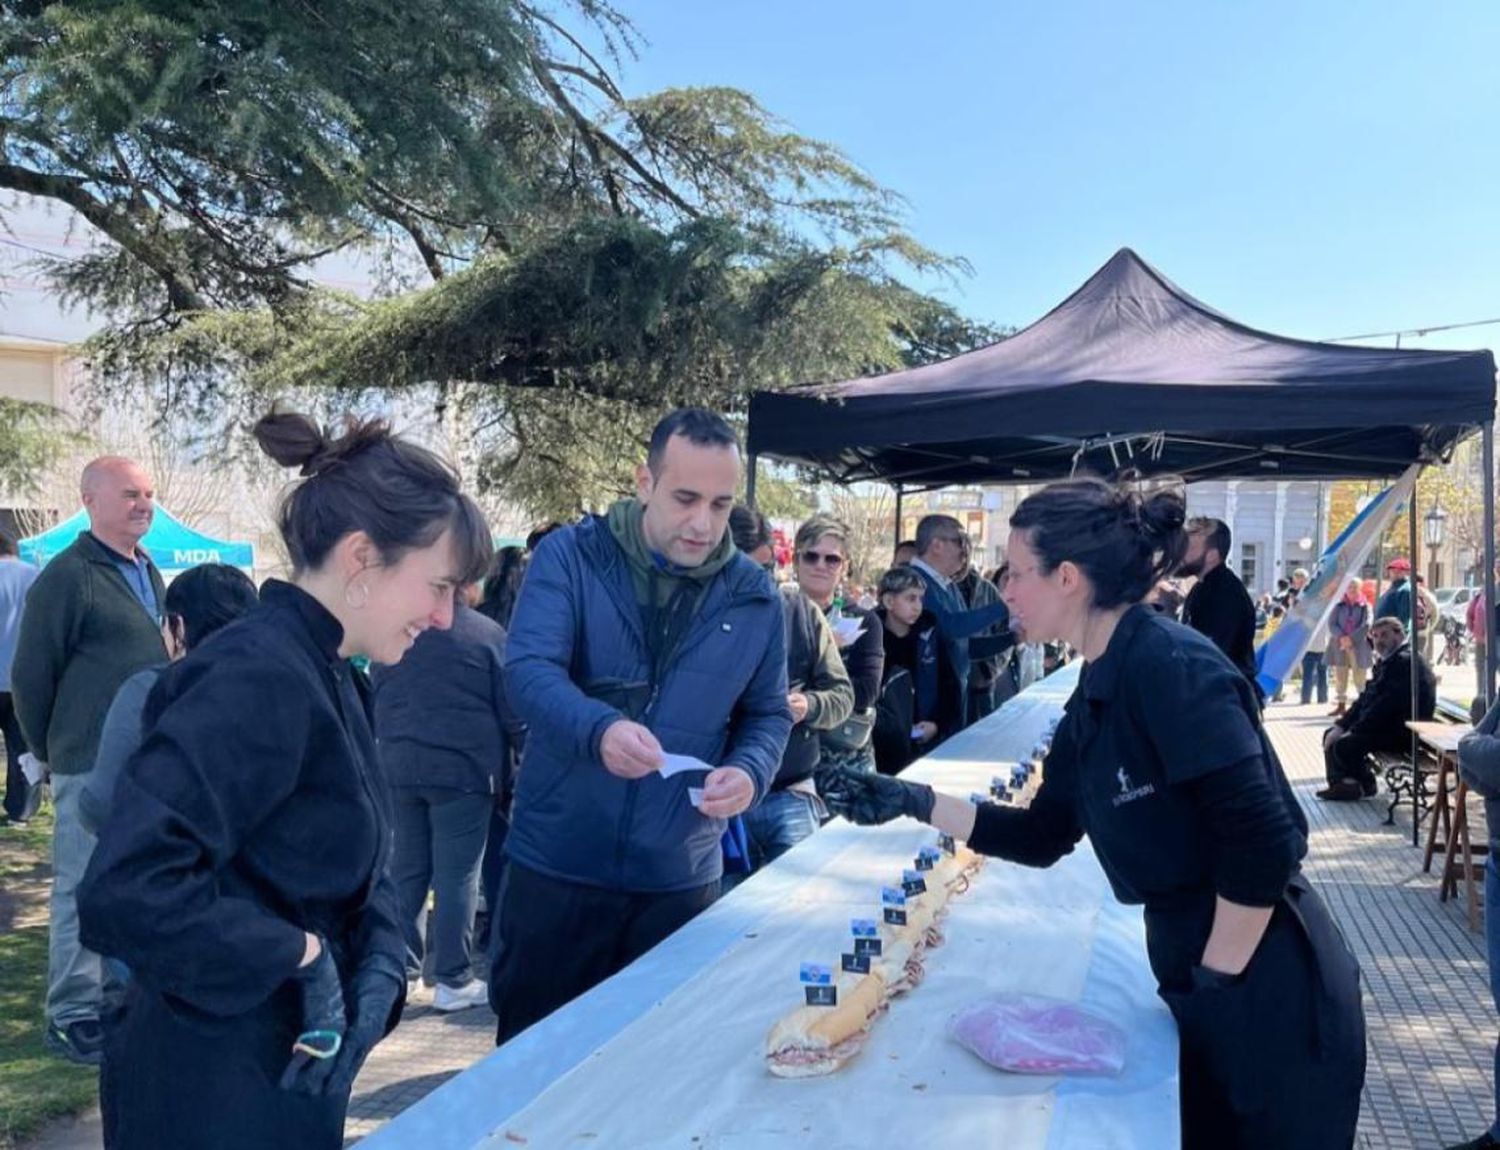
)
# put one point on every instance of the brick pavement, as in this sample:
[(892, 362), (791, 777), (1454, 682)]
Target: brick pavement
[(1431, 1024)]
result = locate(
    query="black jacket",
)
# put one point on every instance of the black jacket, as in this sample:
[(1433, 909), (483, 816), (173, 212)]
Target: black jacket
[(1219, 606), (1380, 713), (441, 715), (252, 813)]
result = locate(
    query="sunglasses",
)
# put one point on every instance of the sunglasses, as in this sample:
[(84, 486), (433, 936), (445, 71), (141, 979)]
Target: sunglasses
[(814, 558)]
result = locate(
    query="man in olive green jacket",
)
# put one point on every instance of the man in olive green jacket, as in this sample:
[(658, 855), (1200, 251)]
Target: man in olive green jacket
[(92, 619)]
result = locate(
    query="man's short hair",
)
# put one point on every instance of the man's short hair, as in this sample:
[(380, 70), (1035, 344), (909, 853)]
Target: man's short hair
[(695, 424), (1302, 571), (7, 543), (900, 579), (1215, 532), (930, 528), (1389, 621)]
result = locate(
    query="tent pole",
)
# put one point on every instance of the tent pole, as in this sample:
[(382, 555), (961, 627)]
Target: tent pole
[(1488, 581), (750, 481), (895, 542), (1416, 647)]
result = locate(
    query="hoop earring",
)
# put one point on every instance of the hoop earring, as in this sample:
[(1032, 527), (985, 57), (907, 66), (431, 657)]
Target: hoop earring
[(364, 598)]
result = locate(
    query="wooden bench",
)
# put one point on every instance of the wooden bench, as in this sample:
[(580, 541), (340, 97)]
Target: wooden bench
[(1450, 817)]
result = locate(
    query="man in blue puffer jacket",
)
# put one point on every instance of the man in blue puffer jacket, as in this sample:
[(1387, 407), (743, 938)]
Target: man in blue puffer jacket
[(637, 634)]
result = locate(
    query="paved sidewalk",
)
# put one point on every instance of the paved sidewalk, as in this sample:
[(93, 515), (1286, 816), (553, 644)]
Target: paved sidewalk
[(1431, 1023)]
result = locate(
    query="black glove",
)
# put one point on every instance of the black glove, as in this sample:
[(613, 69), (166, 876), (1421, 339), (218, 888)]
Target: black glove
[(870, 799), (324, 1023), (376, 986)]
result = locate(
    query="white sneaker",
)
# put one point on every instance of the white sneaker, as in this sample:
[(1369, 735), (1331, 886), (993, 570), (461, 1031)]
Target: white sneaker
[(450, 998)]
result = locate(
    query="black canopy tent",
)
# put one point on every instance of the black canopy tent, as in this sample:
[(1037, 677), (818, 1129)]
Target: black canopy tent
[(1131, 372)]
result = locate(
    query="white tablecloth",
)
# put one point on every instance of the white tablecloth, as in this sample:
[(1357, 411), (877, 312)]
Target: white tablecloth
[(669, 1052)]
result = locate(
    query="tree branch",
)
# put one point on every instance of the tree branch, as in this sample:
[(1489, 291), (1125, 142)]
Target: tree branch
[(182, 292)]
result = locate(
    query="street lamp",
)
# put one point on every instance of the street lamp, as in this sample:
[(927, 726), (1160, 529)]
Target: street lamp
[(1434, 523)]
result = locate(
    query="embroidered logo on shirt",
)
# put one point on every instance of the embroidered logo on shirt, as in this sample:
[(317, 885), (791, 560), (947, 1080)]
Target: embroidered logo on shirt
[(1128, 792)]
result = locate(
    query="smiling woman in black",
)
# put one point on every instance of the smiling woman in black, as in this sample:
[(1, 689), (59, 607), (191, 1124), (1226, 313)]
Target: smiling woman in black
[(1161, 760), (242, 875)]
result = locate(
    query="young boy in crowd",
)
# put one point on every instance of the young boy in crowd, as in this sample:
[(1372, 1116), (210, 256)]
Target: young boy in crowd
[(919, 694)]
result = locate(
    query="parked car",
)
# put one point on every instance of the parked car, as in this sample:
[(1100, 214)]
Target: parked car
[(1453, 602)]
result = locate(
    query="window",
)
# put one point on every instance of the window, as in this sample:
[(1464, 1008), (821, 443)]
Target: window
[(1249, 565)]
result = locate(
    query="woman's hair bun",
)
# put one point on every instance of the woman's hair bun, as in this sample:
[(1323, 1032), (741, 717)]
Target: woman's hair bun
[(294, 440), (1163, 514)]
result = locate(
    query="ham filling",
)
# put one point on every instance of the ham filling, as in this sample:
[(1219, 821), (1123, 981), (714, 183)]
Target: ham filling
[(801, 1056)]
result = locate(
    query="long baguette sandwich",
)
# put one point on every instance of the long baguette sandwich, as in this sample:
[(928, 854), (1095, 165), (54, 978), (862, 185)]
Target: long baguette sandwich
[(817, 1040)]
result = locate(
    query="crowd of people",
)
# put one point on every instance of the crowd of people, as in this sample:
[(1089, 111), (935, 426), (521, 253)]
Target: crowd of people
[(509, 775)]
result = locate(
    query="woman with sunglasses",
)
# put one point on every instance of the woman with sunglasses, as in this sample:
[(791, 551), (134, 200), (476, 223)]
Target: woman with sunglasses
[(821, 564), (819, 696), (1161, 760)]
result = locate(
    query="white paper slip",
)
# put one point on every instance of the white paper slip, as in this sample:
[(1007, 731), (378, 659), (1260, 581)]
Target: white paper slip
[(695, 796), (676, 764), (848, 629), (32, 768), (917, 733)]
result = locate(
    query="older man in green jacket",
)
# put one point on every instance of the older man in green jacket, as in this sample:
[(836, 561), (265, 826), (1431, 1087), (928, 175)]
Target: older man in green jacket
[(92, 619)]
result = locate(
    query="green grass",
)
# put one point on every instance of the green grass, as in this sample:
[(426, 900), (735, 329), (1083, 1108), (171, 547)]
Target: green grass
[(35, 1086)]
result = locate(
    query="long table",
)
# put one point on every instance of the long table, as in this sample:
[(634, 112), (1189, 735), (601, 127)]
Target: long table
[(669, 1052)]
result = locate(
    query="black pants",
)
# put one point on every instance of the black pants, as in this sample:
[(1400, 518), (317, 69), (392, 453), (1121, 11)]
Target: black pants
[(17, 789), (491, 871), (1348, 757), (1277, 1058), (558, 939), (200, 1083)]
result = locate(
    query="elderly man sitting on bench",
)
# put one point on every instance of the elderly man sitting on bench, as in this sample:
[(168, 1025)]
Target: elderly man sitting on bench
[(1377, 719)]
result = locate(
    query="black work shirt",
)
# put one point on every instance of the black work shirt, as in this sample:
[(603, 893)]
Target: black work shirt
[(1219, 606), (252, 813), (1161, 761)]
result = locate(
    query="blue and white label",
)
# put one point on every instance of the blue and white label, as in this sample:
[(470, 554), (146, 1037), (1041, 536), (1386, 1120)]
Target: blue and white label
[(864, 928), (816, 974), (891, 896)]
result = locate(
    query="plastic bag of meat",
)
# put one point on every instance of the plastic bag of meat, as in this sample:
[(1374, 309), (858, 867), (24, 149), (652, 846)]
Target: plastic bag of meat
[(1030, 1034)]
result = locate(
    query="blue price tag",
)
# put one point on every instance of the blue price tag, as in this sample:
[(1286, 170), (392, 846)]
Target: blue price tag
[(890, 896), (864, 928), (946, 844), (815, 974), (912, 882)]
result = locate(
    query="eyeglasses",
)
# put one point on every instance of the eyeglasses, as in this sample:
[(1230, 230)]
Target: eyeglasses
[(814, 558)]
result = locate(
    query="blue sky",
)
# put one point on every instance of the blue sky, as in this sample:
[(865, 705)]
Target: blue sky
[(1318, 169)]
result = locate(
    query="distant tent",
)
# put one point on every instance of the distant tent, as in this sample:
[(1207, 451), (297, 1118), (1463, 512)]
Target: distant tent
[(172, 544)]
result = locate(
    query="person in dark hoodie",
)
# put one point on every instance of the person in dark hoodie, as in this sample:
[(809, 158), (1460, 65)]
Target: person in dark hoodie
[(242, 876), (919, 697), (821, 697), (638, 634), (445, 727)]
